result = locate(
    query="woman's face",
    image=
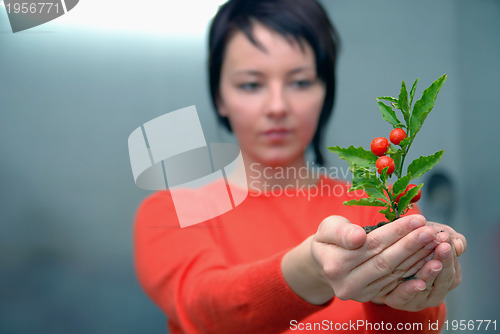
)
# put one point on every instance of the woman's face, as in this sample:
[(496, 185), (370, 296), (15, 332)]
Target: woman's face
[(272, 97)]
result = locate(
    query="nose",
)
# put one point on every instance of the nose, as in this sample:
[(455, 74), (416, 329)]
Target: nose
[(277, 102)]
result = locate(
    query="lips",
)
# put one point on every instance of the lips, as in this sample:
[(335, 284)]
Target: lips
[(277, 134)]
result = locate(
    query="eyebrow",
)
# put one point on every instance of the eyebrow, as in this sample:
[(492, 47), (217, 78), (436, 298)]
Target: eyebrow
[(251, 72), (302, 69), (294, 71)]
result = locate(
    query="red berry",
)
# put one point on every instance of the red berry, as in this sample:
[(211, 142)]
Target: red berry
[(416, 198), (397, 135), (379, 146), (383, 162)]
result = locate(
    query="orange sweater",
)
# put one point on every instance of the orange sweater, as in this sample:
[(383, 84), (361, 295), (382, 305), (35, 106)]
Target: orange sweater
[(224, 275)]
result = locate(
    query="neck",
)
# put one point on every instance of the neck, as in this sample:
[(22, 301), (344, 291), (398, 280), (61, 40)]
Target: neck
[(260, 176)]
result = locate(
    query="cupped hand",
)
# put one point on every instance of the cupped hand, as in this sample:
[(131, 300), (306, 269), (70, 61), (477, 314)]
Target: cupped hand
[(431, 283), (364, 267)]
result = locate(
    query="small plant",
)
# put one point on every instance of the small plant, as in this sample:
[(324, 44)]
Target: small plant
[(372, 169)]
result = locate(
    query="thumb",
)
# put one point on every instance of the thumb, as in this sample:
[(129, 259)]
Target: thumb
[(339, 231)]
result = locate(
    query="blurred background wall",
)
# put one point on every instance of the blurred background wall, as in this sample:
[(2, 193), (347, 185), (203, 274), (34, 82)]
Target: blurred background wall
[(72, 90)]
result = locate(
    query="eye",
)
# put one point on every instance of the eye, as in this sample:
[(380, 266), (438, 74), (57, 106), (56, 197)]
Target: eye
[(249, 86), (302, 84)]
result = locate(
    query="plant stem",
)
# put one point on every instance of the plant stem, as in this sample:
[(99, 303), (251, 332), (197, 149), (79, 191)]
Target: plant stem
[(403, 156), (395, 209), (394, 206)]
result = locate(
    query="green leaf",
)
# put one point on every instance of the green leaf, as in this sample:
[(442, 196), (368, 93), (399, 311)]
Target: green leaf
[(366, 180), (406, 198), (384, 176), (376, 193), (366, 202), (401, 184), (355, 156), (396, 156), (389, 215), (403, 103), (390, 99), (389, 115), (421, 165), (412, 91), (405, 142), (424, 106)]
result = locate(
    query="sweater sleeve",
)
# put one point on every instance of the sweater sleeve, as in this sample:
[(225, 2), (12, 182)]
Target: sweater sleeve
[(186, 275)]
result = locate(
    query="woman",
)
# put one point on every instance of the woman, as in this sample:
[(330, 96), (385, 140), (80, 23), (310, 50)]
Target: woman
[(295, 259)]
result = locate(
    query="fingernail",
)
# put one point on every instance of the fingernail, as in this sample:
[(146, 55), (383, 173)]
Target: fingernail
[(442, 236), (437, 270), (419, 288), (425, 237), (462, 249), (416, 223), (432, 245)]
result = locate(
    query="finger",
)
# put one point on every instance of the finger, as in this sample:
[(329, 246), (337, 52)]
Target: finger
[(459, 241), (407, 268), (455, 241), (460, 244), (443, 237), (339, 231), (405, 292), (390, 261), (433, 266), (413, 270), (441, 227), (428, 251), (444, 281), (389, 288), (429, 272), (445, 254), (381, 238), (417, 260), (458, 275)]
